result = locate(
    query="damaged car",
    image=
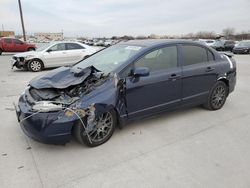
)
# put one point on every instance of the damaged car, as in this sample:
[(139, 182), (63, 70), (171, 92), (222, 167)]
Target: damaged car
[(125, 82), (53, 54)]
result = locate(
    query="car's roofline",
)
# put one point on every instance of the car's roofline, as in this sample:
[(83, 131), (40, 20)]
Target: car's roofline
[(149, 43)]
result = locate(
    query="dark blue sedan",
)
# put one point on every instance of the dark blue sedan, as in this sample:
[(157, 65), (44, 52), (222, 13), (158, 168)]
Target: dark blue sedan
[(130, 80)]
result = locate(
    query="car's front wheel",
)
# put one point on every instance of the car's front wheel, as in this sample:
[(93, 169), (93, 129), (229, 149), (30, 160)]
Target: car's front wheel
[(217, 96), (35, 65), (103, 130), (1, 51)]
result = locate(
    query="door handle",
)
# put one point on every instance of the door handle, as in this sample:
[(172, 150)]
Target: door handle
[(209, 69), (174, 77)]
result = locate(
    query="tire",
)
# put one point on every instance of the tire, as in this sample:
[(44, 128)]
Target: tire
[(35, 65), (217, 96), (94, 136), (31, 49), (1, 51)]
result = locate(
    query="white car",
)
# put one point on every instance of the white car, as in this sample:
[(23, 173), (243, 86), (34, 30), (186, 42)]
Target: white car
[(52, 55), (208, 42)]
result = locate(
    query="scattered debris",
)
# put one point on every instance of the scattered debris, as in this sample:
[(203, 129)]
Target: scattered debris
[(4, 154), (20, 167), (133, 133), (10, 109), (28, 148)]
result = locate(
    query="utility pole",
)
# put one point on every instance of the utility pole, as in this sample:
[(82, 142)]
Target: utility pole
[(2, 27), (21, 15)]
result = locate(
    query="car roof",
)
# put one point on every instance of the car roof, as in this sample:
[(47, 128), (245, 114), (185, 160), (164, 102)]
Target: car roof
[(156, 42)]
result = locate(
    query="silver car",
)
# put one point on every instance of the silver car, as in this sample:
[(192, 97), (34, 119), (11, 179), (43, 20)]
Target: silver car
[(52, 55)]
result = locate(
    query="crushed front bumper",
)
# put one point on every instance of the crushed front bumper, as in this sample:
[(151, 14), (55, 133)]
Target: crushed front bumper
[(49, 127), (18, 62)]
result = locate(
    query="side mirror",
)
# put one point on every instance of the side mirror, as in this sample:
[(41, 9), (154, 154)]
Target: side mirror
[(140, 71), (49, 50)]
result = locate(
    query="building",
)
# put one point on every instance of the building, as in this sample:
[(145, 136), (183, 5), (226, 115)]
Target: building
[(48, 36), (7, 34)]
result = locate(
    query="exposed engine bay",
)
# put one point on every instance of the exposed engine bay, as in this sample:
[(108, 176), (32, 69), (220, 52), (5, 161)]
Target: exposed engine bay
[(68, 95)]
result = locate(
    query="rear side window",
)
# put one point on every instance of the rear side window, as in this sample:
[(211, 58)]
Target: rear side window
[(194, 54), (9, 41), (74, 46), (163, 58)]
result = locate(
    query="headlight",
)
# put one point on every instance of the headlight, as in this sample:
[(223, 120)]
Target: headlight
[(46, 106)]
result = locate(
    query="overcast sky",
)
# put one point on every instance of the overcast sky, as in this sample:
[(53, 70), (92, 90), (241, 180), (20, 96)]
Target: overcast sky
[(125, 17)]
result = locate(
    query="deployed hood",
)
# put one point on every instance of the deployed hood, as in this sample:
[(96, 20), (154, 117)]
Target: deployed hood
[(62, 77), (25, 54)]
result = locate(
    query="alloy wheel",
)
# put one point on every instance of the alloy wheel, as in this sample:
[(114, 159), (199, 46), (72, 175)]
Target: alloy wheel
[(103, 128), (218, 96), (35, 65)]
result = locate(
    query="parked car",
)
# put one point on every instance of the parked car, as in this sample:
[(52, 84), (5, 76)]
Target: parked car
[(122, 83), (109, 43), (243, 47), (52, 55), (209, 42), (223, 45), (14, 45)]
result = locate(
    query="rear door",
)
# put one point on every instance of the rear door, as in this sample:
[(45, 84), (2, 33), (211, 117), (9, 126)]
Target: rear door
[(158, 91), (199, 73), (75, 52)]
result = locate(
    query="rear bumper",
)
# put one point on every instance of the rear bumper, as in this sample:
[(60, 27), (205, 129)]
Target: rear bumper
[(232, 81)]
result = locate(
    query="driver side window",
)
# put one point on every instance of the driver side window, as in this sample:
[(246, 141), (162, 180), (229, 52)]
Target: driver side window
[(163, 58), (58, 47), (160, 59)]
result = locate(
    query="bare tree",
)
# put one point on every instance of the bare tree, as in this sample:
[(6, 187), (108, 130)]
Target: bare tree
[(228, 32)]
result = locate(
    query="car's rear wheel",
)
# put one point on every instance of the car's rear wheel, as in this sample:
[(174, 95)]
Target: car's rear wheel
[(103, 130), (217, 96), (35, 65), (1, 51)]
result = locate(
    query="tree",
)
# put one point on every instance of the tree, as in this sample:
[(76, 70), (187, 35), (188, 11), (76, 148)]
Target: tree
[(228, 32)]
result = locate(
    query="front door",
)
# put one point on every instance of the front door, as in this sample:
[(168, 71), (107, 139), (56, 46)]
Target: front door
[(158, 91), (19, 45), (56, 55)]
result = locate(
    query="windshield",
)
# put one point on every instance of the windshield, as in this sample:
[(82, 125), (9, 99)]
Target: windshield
[(110, 58), (244, 44)]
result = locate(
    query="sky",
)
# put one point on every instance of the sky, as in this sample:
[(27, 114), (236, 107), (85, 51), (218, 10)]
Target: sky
[(98, 18)]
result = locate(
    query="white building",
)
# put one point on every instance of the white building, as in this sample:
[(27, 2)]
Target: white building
[(48, 36)]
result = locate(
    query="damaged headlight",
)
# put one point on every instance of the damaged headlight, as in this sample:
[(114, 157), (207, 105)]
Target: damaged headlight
[(46, 106)]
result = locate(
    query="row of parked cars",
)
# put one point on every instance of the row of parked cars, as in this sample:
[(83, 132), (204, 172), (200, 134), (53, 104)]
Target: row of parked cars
[(64, 53), (237, 47)]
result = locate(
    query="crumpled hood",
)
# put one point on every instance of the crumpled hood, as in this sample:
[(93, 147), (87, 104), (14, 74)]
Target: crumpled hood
[(25, 54), (62, 77)]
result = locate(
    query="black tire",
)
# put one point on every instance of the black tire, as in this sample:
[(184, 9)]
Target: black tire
[(31, 49), (1, 51), (91, 141), (217, 96), (35, 65)]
